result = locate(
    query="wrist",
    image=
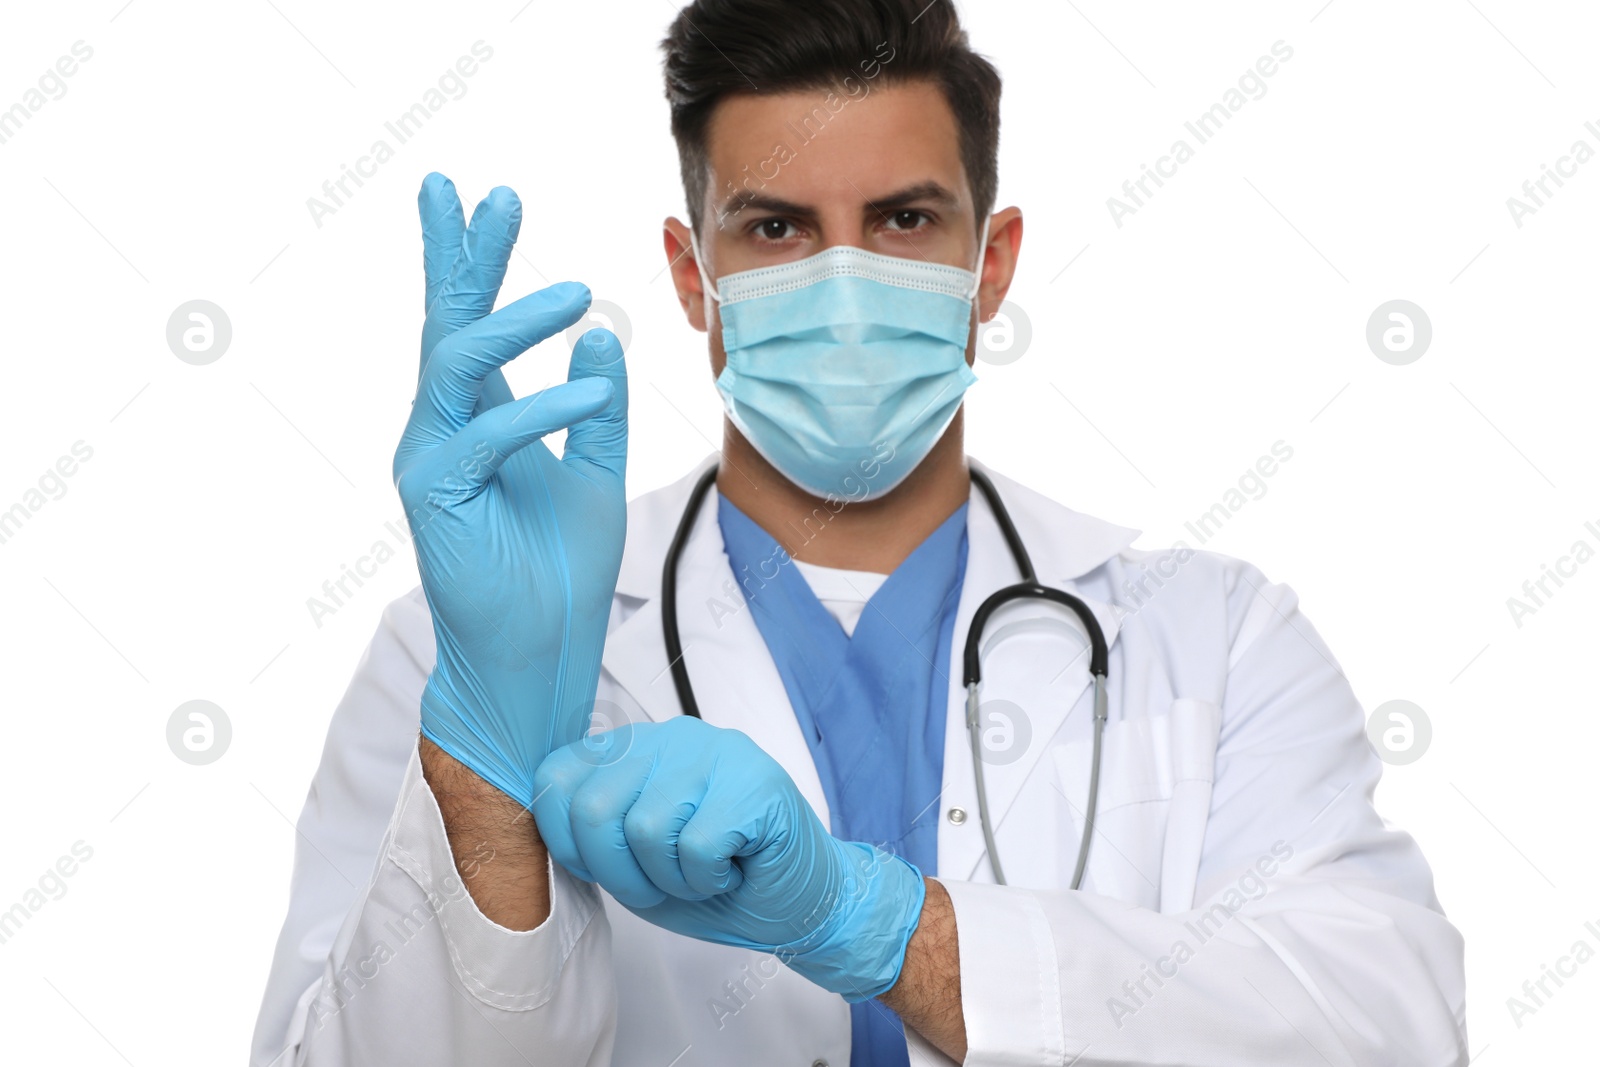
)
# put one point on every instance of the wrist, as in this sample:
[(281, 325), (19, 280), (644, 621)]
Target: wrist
[(455, 723), (494, 844), (860, 949), (927, 996)]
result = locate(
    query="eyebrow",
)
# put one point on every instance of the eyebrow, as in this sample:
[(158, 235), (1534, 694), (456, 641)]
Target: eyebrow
[(920, 193)]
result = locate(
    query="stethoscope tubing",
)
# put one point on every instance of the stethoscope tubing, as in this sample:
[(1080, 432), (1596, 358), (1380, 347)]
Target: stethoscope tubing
[(1029, 588)]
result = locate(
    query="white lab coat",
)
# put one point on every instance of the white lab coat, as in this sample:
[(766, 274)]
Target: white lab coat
[(1243, 902)]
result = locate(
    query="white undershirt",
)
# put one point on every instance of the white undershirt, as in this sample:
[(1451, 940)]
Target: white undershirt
[(844, 593)]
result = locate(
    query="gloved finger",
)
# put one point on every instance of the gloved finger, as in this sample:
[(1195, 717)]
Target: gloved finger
[(707, 845), (493, 393), (442, 226), (554, 782), (453, 375), (602, 441), (599, 807), (483, 445), (655, 823), (479, 267)]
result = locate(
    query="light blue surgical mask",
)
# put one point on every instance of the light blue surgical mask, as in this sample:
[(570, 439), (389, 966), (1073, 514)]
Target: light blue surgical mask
[(846, 367)]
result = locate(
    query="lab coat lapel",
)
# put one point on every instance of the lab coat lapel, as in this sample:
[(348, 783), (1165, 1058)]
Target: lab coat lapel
[(736, 684), (1043, 696)]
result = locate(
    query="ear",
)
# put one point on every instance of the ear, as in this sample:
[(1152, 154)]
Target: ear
[(999, 261), (685, 272)]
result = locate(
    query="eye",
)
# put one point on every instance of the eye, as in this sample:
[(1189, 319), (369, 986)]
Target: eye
[(906, 219), (774, 229)]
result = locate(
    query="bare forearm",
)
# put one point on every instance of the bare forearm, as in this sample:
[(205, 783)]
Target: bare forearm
[(928, 995), (494, 841)]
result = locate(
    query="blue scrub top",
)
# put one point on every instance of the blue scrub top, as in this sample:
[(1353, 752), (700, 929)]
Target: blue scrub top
[(872, 705)]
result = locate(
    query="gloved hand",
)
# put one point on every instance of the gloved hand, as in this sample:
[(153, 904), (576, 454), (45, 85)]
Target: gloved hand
[(699, 831), (518, 550)]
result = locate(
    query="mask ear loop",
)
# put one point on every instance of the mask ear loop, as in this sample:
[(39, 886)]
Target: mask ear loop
[(983, 250), (700, 265)]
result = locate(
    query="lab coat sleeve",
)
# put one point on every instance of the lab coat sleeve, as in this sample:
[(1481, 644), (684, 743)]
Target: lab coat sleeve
[(1315, 937), (384, 957)]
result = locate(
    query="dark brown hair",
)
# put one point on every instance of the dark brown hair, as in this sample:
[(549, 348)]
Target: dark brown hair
[(720, 48)]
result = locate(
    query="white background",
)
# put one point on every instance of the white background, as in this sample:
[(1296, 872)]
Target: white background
[(1227, 314)]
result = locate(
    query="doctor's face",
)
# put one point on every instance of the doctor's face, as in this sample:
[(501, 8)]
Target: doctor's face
[(794, 173)]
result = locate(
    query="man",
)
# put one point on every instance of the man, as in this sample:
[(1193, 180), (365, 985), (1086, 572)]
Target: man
[(805, 875)]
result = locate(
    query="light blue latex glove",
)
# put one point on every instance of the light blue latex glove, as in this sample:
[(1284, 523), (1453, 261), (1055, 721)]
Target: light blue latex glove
[(697, 830), (464, 266), (518, 550)]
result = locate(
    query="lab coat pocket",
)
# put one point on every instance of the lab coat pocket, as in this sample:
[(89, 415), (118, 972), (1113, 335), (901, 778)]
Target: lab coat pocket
[(1155, 794)]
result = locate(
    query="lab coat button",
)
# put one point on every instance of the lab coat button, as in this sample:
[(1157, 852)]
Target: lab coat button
[(819, 1063), (957, 816)]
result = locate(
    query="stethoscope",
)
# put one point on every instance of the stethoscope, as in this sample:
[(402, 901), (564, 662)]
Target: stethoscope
[(971, 674)]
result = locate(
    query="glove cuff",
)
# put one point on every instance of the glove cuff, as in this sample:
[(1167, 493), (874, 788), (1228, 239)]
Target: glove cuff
[(460, 735), (859, 951)]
